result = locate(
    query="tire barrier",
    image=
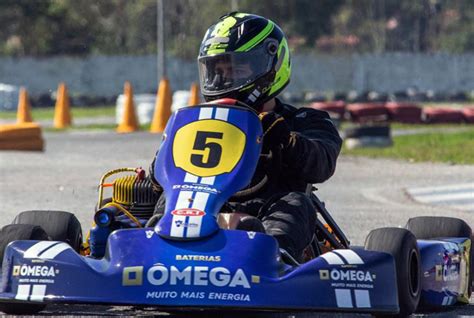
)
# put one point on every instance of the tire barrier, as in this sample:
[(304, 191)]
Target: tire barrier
[(367, 112), (468, 114), (335, 109), (438, 115), (409, 113), (368, 136), (25, 136), (402, 112)]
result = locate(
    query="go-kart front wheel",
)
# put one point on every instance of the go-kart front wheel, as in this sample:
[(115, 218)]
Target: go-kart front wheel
[(21, 309), (15, 232), (59, 225), (401, 243)]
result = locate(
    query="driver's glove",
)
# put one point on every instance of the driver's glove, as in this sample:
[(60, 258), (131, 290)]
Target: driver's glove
[(275, 130)]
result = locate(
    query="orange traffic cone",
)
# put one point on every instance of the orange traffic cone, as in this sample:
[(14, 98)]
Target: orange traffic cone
[(129, 120), (62, 111), (162, 107), (24, 108), (193, 95)]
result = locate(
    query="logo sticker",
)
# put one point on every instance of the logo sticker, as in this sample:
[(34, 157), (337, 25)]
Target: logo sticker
[(185, 224), (188, 212), (251, 235), (160, 274), (324, 274), (149, 234), (34, 271)]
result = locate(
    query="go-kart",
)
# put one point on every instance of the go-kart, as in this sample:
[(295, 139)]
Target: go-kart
[(192, 256)]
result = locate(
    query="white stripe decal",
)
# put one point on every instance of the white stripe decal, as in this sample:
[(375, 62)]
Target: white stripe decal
[(205, 113), (184, 199), (38, 293), (194, 226), (252, 98), (36, 249), (190, 178), (200, 201), (362, 298), (343, 298), (208, 180), (332, 259), (23, 292), (54, 251), (222, 113), (177, 225), (183, 202), (350, 256), (445, 301)]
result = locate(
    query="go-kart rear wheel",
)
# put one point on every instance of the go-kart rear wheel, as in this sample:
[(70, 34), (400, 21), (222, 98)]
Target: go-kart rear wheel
[(15, 232), (59, 225), (429, 227), (401, 243)]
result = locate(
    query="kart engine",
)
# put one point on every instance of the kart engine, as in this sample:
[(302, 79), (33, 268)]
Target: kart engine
[(133, 202), (135, 195)]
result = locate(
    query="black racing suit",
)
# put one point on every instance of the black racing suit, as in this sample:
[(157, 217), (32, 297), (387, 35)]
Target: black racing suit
[(286, 211)]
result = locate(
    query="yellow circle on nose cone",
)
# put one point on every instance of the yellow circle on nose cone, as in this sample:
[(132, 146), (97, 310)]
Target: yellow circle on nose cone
[(208, 147)]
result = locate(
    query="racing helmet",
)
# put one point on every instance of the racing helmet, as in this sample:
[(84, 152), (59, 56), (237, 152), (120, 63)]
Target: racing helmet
[(244, 57)]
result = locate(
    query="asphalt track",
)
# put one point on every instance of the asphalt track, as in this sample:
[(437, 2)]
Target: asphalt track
[(362, 195)]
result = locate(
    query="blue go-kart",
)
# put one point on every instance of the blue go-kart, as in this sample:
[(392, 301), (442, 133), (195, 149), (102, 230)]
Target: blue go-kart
[(194, 257)]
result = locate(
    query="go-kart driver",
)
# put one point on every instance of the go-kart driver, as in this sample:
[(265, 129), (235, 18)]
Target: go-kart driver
[(246, 57)]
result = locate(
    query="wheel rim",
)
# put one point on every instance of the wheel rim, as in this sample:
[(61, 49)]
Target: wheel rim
[(413, 278)]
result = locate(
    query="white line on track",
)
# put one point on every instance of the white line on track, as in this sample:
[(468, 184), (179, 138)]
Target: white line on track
[(459, 196)]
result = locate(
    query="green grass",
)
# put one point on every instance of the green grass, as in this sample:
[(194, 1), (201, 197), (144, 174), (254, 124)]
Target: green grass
[(77, 112), (456, 147)]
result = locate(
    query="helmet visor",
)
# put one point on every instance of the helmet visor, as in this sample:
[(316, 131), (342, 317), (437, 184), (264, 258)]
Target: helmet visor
[(232, 70)]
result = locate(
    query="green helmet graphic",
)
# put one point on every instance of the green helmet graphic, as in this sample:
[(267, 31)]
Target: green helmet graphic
[(245, 57)]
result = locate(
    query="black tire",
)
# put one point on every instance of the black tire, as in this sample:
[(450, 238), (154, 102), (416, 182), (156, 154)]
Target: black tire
[(21, 309), (59, 225), (15, 232), (401, 243), (367, 131), (429, 227)]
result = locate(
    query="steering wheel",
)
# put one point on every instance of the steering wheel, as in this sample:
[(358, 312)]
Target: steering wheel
[(272, 163)]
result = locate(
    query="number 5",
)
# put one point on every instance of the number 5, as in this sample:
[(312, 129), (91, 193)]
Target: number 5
[(214, 149)]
